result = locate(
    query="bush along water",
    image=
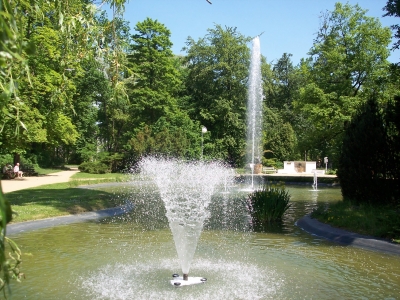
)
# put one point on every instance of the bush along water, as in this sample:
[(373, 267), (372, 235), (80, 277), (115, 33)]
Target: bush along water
[(268, 204)]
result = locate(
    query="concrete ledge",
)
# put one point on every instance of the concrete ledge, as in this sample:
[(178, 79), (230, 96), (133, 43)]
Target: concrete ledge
[(347, 238), (64, 220)]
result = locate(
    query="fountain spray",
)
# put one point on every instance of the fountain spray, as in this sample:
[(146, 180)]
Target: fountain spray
[(254, 109), (186, 189)]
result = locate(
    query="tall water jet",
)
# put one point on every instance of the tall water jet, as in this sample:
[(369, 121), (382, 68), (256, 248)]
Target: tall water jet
[(254, 110), (186, 190)]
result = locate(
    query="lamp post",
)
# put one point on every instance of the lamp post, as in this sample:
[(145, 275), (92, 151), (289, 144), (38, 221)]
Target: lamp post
[(203, 131), (326, 163)]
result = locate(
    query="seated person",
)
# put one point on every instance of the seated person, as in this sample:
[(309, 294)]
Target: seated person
[(17, 172)]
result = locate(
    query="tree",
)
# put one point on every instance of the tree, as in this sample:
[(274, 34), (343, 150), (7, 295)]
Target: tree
[(279, 136), (350, 51), (348, 64), (392, 9), (157, 80), (216, 84), (157, 122), (365, 158), (114, 103), (286, 83), (46, 88)]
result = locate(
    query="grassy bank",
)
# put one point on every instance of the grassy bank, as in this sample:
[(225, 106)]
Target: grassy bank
[(61, 199), (378, 221)]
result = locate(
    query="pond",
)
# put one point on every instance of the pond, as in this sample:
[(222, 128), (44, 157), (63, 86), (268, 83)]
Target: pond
[(134, 256)]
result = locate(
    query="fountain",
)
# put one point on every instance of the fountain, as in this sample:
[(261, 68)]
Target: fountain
[(254, 110), (315, 183), (186, 190)]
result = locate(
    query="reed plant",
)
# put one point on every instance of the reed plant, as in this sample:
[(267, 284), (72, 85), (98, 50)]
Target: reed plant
[(269, 203)]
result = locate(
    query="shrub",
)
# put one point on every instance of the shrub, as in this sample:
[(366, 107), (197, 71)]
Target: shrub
[(367, 171), (269, 203), (330, 172), (6, 159), (94, 168)]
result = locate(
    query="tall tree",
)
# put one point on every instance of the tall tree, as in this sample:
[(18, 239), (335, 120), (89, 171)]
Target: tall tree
[(157, 80), (286, 83), (217, 77), (348, 63), (157, 123), (43, 102)]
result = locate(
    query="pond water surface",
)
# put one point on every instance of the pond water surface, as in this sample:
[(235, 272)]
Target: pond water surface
[(134, 256)]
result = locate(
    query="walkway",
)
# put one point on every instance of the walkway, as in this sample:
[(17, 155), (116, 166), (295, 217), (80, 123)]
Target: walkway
[(59, 177), (11, 185)]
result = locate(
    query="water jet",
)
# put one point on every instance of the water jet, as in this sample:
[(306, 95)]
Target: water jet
[(254, 110), (186, 189)]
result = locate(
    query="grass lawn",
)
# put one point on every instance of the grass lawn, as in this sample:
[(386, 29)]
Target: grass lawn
[(381, 221), (64, 198)]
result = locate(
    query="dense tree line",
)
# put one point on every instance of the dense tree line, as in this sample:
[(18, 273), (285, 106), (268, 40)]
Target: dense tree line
[(88, 90)]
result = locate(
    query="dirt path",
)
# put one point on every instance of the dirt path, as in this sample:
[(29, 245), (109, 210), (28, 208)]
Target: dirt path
[(11, 185)]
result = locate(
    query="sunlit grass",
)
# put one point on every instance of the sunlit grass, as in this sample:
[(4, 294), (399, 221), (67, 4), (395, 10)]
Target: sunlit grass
[(60, 199), (119, 177), (378, 221)]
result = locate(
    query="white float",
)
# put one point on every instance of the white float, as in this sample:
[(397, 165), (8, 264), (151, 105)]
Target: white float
[(178, 281)]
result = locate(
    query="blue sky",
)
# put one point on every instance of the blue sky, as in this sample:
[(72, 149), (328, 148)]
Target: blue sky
[(288, 25)]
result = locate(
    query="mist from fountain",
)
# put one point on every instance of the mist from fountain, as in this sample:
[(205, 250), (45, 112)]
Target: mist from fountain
[(254, 110), (186, 189)]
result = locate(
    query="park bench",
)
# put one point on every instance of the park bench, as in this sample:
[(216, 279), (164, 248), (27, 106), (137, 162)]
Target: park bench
[(269, 170), (28, 170), (8, 172)]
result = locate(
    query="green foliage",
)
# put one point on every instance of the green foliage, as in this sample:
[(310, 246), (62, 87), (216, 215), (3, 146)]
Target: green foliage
[(279, 137), (157, 80), (348, 60), (269, 203), (94, 168), (216, 86), (272, 162), (174, 138), (6, 159), (9, 264), (286, 83), (366, 165), (331, 172)]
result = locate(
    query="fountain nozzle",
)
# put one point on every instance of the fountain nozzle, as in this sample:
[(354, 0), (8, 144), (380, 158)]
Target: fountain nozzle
[(186, 277)]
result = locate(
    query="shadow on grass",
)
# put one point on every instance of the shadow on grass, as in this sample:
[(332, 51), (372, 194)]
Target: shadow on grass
[(48, 201)]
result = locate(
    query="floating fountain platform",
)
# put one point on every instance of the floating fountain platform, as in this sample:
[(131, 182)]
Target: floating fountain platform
[(179, 281)]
